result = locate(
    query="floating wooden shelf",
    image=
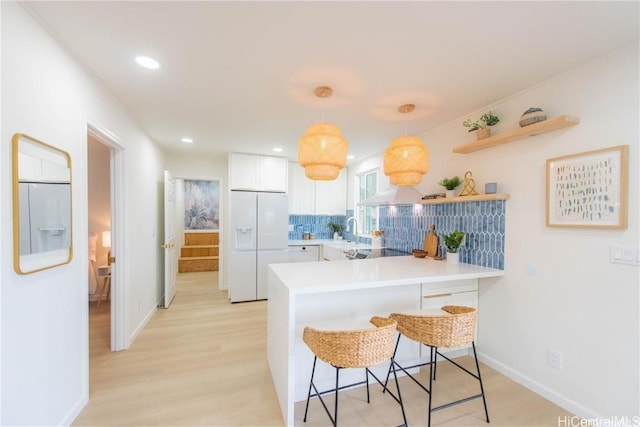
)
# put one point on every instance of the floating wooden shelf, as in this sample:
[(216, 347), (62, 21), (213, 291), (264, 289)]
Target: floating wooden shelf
[(545, 126), (476, 198)]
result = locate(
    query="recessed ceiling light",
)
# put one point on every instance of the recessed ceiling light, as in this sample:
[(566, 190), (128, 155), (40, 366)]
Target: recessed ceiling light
[(187, 140), (277, 149), (146, 62)]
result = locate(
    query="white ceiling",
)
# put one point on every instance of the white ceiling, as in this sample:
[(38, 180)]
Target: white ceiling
[(239, 76)]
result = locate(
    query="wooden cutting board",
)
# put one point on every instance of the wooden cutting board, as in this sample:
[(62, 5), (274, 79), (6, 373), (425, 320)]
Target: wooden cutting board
[(431, 242)]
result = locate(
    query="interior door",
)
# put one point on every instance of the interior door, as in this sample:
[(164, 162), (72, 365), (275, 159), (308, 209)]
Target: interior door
[(170, 249)]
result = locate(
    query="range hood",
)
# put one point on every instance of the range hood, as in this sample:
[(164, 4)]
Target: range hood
[(394, 196)]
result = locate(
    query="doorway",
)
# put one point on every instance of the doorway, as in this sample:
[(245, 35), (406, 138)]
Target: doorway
[(198, 225), (104, 214), (99, 228)]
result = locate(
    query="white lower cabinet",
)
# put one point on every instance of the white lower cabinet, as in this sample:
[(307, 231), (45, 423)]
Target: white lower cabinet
[(306, 253), (456, 292), (330, 253)]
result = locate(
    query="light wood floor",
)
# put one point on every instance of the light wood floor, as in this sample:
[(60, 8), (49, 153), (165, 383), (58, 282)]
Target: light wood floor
[(203, 362)]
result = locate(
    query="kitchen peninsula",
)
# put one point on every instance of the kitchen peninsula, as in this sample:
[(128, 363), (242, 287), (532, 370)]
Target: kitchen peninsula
[(345, 295)]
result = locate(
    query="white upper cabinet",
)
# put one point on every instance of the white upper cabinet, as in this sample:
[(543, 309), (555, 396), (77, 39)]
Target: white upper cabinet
[(258, 173), (331, 196), (273, 174), (308, 197), (302, 191)]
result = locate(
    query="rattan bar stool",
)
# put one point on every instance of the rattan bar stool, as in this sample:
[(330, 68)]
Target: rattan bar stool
[(363, 348), (454, 328)]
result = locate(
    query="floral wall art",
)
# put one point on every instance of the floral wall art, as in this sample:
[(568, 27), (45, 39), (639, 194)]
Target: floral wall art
[(201, 205)]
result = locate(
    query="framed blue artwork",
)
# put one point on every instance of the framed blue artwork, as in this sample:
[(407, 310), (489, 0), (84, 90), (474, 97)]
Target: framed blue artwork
[(201, 205)]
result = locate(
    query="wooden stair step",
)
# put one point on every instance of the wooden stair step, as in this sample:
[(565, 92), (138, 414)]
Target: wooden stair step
[(194, 258), (198, 251), (186, 265), (201, 238)]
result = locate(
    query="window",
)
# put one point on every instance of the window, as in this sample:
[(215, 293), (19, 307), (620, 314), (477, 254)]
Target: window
[(367, 215)]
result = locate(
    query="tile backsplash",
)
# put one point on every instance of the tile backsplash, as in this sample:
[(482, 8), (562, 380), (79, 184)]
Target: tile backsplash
[(405, 227), (316, 224)]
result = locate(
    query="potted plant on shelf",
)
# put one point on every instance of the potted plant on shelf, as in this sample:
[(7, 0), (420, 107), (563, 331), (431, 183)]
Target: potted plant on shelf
[(452, 242), (482, 124), (336, 228), (450, 185)]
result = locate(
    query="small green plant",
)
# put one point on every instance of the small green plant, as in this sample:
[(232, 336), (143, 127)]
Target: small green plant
[(335, 227), (487, 119), (453, 240), (450, 183)]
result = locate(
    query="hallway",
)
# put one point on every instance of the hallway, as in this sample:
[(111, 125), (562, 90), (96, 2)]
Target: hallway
[(201, 362)]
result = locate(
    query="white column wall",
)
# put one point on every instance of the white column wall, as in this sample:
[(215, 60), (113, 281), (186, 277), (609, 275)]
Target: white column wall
[(44, 318)]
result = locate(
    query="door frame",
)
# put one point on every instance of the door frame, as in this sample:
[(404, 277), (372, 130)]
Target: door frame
[(119, 301), (170, 253), (221, 217)]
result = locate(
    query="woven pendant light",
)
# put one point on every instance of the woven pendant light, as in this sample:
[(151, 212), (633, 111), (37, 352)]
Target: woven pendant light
[(322, 151), (406, 159)]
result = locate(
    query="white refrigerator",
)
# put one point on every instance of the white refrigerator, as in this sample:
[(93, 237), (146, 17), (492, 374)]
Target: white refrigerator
[(260, 233)]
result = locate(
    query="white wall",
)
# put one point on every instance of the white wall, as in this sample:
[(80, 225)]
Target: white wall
[(44, 339), (559, 290)]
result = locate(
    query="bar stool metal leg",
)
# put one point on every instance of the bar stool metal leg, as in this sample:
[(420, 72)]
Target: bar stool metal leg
[(399, 399), (313, 371), (390, 366), (435, 365), (335, 410), (366, 376), (484, 400), (431, 377)]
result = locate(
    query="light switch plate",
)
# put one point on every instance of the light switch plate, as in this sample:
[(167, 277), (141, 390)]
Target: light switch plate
[(623, 254)]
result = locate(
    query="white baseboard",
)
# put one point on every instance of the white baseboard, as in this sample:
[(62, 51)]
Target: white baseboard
[(549, 394), (141, 326), (75, 410)]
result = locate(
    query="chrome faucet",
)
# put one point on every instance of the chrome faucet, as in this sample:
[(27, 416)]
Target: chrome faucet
[(355, 228)]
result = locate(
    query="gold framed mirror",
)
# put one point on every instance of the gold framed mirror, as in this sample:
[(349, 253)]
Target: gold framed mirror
[(41, 205)]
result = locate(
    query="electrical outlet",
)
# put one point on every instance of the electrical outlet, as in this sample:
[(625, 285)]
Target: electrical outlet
[(554, 358)]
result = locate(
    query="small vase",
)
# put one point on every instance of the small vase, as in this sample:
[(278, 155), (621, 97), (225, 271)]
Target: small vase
[(335, 235), (453, 258), (450, 193), (483, 133)]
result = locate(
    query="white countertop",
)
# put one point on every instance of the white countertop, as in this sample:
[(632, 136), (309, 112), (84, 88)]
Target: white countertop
[(314, 242), (330, 242), (332, 276)]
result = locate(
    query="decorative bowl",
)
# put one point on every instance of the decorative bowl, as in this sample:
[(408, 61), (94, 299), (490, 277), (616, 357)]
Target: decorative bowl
[(419, 253)]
